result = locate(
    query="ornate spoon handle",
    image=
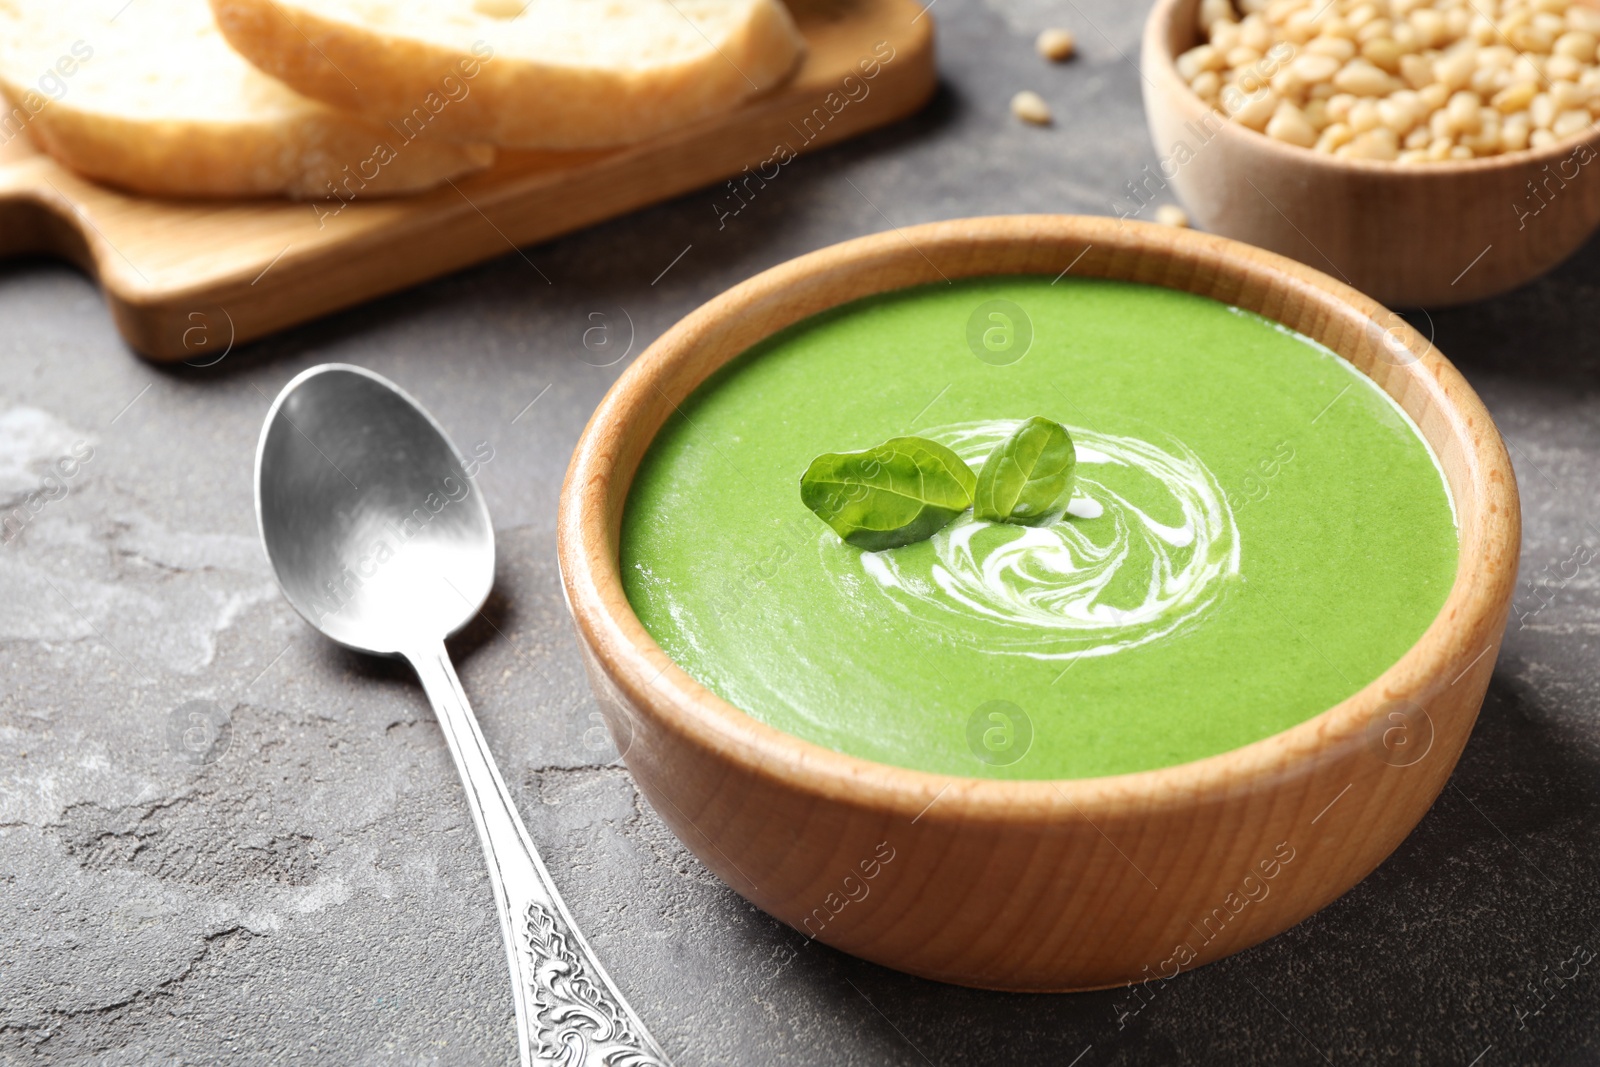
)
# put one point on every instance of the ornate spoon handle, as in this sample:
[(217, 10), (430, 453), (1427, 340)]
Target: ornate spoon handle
[(568, 1010)]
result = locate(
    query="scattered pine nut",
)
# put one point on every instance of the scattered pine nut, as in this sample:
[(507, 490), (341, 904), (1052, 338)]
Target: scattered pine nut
[(1416, 81), (1059, 45), (1030, 107), (1172, 215)]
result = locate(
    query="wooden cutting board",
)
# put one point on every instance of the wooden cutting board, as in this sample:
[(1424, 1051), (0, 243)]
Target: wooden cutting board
[(186, 280)]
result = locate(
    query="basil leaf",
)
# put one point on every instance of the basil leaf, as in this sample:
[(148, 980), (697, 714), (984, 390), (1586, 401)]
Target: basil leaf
[(904, 490), (1026, 477)]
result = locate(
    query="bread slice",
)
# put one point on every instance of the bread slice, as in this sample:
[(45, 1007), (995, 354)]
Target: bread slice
[(556, 74), (148, 96)]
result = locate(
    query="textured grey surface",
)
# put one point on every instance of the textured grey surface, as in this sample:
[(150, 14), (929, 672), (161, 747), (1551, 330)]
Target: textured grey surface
[(315, 892)]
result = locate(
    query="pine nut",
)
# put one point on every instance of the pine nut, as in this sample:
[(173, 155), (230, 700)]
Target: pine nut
[(1056, 45), (1290, 124), (1030, 107), (1172, 215)]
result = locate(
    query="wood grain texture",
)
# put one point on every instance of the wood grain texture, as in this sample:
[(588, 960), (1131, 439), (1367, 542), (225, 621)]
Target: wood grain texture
[(1044, 885), (185, 279), (1408, 235)]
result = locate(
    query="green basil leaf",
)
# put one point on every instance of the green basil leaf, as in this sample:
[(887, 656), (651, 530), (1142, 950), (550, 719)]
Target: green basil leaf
[(1028, 477), (904, 490)]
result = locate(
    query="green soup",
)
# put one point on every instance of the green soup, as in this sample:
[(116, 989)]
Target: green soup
[(1256, 531)]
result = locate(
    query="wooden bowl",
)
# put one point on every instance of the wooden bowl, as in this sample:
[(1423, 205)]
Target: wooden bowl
[(1409, 235), (1044, 885)]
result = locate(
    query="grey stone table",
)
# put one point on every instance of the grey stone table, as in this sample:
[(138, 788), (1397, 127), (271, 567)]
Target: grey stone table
[(308, 888)]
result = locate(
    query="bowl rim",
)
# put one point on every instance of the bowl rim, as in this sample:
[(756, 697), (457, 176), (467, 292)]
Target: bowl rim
[(654, 685), (1154, 46)]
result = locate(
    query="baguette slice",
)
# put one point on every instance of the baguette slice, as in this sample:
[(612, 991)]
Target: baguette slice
[(148, 96), (552, 74)]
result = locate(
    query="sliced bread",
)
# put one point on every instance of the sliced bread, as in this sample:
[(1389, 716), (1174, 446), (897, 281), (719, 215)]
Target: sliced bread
[(555, 74), (148, 96)]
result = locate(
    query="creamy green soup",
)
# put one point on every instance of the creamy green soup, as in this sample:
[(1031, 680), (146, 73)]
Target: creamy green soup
[(1255, 532)]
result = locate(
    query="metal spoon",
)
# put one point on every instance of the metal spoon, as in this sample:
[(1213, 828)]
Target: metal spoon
[(380, 539)]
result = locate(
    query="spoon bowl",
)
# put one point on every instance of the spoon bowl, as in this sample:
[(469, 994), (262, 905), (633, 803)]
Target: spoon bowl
[(369, 514)]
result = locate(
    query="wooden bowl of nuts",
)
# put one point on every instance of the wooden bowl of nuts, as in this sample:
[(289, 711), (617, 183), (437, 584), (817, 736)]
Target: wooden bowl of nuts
[(1427, 152)]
